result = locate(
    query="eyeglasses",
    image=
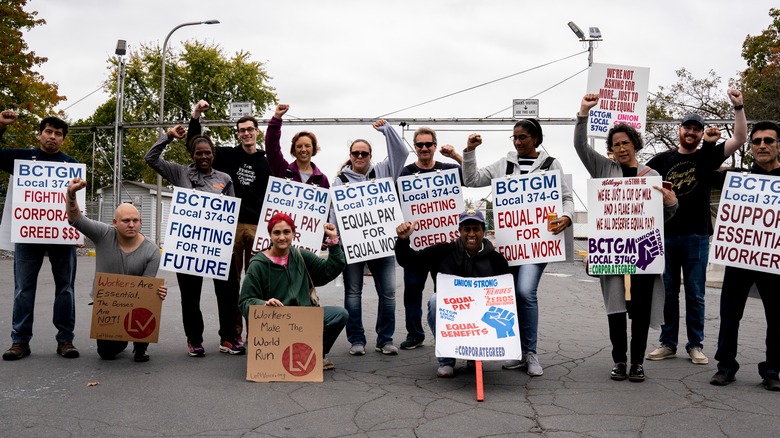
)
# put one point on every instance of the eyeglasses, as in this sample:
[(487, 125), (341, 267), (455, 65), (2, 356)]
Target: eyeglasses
[(245, 130), (361, 154), (769, 141), (621, 145), (521, 137), (427, 144)]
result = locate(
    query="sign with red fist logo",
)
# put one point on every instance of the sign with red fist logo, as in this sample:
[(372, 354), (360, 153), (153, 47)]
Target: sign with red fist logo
[(126, 308)]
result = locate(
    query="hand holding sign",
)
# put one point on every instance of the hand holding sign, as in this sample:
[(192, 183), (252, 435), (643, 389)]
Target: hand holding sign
[(670, 197)]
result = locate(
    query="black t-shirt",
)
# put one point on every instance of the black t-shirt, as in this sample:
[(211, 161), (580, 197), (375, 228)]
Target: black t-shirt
[(692, 177), (249, 173)]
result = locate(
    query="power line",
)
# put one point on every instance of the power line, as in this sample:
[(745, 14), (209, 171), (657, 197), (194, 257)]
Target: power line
[(482, 84), (543, 91)]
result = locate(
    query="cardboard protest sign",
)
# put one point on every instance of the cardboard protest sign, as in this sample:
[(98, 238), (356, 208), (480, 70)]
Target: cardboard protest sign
[(625, 226), (367, 214), (435, 200), (622, 94), (521, 207), (476, 318), (747, 229), (307, 206), (126, 308), (39, 193), (284, 344), (200, 233)]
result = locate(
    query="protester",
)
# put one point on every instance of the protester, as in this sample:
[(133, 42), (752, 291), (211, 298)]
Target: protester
[(525, 158), (28, 257), (425, 145), (359, 168), (248, 168), (280, 275), (690, 169), (737, 282), (120, 249), (647, 291), (470, 256), (303, 148), (203, 177)]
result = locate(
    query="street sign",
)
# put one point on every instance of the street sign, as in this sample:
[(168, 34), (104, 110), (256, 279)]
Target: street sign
[(241, 109), (522, 108)]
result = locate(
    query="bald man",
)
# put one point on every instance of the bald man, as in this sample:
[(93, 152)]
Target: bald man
[(121, 249)]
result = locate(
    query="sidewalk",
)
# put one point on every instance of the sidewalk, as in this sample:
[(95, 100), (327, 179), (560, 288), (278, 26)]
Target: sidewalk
[(375, 395)]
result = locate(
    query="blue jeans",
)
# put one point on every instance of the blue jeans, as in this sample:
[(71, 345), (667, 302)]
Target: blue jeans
[(687, 254), (28, 259), (432, 324), (414, 285), (736, 286), (527, 279), (334, 318), (383, 271)]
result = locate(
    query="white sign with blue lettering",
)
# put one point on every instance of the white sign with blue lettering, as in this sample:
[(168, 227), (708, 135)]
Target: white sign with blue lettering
[(307, 205), (200, 235), (522, 206), (39, 202), (367, 214), (435, 200), (476, 318)]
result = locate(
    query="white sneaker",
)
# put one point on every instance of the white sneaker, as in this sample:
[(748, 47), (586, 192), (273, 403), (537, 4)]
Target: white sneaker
[(698, 357), (445, 371), (660, 353), (534, 368)]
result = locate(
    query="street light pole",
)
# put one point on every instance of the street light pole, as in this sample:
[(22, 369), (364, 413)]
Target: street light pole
[(158, 210), (121, 50)]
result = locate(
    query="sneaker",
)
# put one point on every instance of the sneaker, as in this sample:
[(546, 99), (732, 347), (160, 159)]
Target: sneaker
[(411, 344), (697, 356), (660, 353), (17, 351), (357, 350), (514, 364), (618, 371), (722, 378), (771, 383), (534, 369), (67, 350), (637, 373), (327, 364), (445, 371), (388, 349), (140, 356), (195, 350), (231, 347)]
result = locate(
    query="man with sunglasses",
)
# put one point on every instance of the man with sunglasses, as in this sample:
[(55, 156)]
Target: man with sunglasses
[(738, 281), (691, 170), (248, 167), (414, 277)]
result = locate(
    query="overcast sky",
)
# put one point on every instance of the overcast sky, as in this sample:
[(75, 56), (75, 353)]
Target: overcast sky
[(366, 58)]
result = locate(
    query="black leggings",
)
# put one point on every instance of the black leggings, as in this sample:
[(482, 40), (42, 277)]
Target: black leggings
[(639, 311)]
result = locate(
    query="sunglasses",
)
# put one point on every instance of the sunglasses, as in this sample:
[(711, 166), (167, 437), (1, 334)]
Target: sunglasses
[(521, 137), (427, 144), (361, 154), (769, 141)]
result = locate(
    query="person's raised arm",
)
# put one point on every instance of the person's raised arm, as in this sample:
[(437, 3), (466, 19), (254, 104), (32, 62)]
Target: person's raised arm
[(71, 204), (473, 177), (273, 148), (194, 127), (449, 151), (396, 150), (740, 123), (154, 156), (7, 117)]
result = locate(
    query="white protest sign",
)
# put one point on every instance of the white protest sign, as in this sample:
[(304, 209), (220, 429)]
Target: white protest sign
[(307, 206), (435, 200), (625, 226), (367, 214), (521, 208), (622, 94), (747, 229), (476, 318), (39, 193), (200, 234), (5, 223)]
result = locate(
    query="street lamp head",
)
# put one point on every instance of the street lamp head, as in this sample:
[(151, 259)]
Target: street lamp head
[(594, 33), (121, 47), (211, 22), (577, 31)]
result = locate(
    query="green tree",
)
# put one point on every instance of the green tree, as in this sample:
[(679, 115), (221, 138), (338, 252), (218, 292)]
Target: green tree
[(689, 94), (21, 88), (760, 81), (197, 71)]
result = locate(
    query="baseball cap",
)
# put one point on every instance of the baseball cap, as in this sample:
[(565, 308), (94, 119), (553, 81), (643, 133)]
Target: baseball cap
[(693, 119), (471, 214)]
